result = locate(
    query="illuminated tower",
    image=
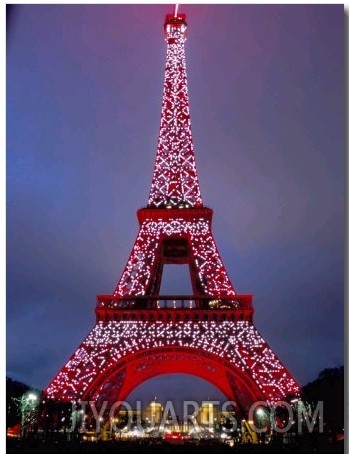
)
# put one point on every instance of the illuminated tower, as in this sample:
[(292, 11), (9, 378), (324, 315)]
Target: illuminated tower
[(138, 332)]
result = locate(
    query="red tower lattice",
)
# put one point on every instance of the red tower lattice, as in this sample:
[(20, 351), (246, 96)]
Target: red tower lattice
[(140, 333)]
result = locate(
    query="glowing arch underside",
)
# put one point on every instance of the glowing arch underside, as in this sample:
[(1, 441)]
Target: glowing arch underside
[(127, 375)]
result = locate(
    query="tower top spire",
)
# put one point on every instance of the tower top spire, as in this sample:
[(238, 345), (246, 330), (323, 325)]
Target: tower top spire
[(175, 183), (175, 26)]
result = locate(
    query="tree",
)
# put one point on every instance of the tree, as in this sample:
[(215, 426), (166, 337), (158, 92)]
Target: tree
[(14, 391), (329, 388)]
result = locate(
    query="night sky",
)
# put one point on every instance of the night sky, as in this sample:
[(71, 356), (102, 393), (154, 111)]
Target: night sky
[(84, 91)]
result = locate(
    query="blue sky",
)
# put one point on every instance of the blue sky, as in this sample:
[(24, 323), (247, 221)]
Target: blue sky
[(84, 90)]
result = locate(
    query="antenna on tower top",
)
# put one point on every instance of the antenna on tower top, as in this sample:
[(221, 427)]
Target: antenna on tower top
[(176, 10)]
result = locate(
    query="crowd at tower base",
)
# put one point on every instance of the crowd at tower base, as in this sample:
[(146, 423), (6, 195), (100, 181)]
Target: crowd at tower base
[(37, 425), (158, 423)]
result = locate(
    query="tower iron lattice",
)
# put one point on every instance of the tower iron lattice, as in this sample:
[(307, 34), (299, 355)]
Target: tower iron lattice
[(138, 332)]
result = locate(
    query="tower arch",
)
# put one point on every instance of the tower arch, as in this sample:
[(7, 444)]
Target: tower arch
[(118, 381)]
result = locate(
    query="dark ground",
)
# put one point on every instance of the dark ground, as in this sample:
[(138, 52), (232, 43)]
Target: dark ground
[(306, 447)]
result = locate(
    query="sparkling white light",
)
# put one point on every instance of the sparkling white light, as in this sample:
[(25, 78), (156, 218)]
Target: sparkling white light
[(175, 178), (209, 268), (238, 343)]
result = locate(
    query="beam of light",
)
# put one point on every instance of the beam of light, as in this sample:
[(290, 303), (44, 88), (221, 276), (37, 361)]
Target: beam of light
[(176, 10)]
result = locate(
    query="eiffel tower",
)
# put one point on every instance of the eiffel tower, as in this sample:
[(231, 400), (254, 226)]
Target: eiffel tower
[(139, 333)]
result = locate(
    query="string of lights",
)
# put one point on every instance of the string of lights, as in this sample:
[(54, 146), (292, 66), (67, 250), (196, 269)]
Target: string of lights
[(108, 343), (175, 178), (141, 266)]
